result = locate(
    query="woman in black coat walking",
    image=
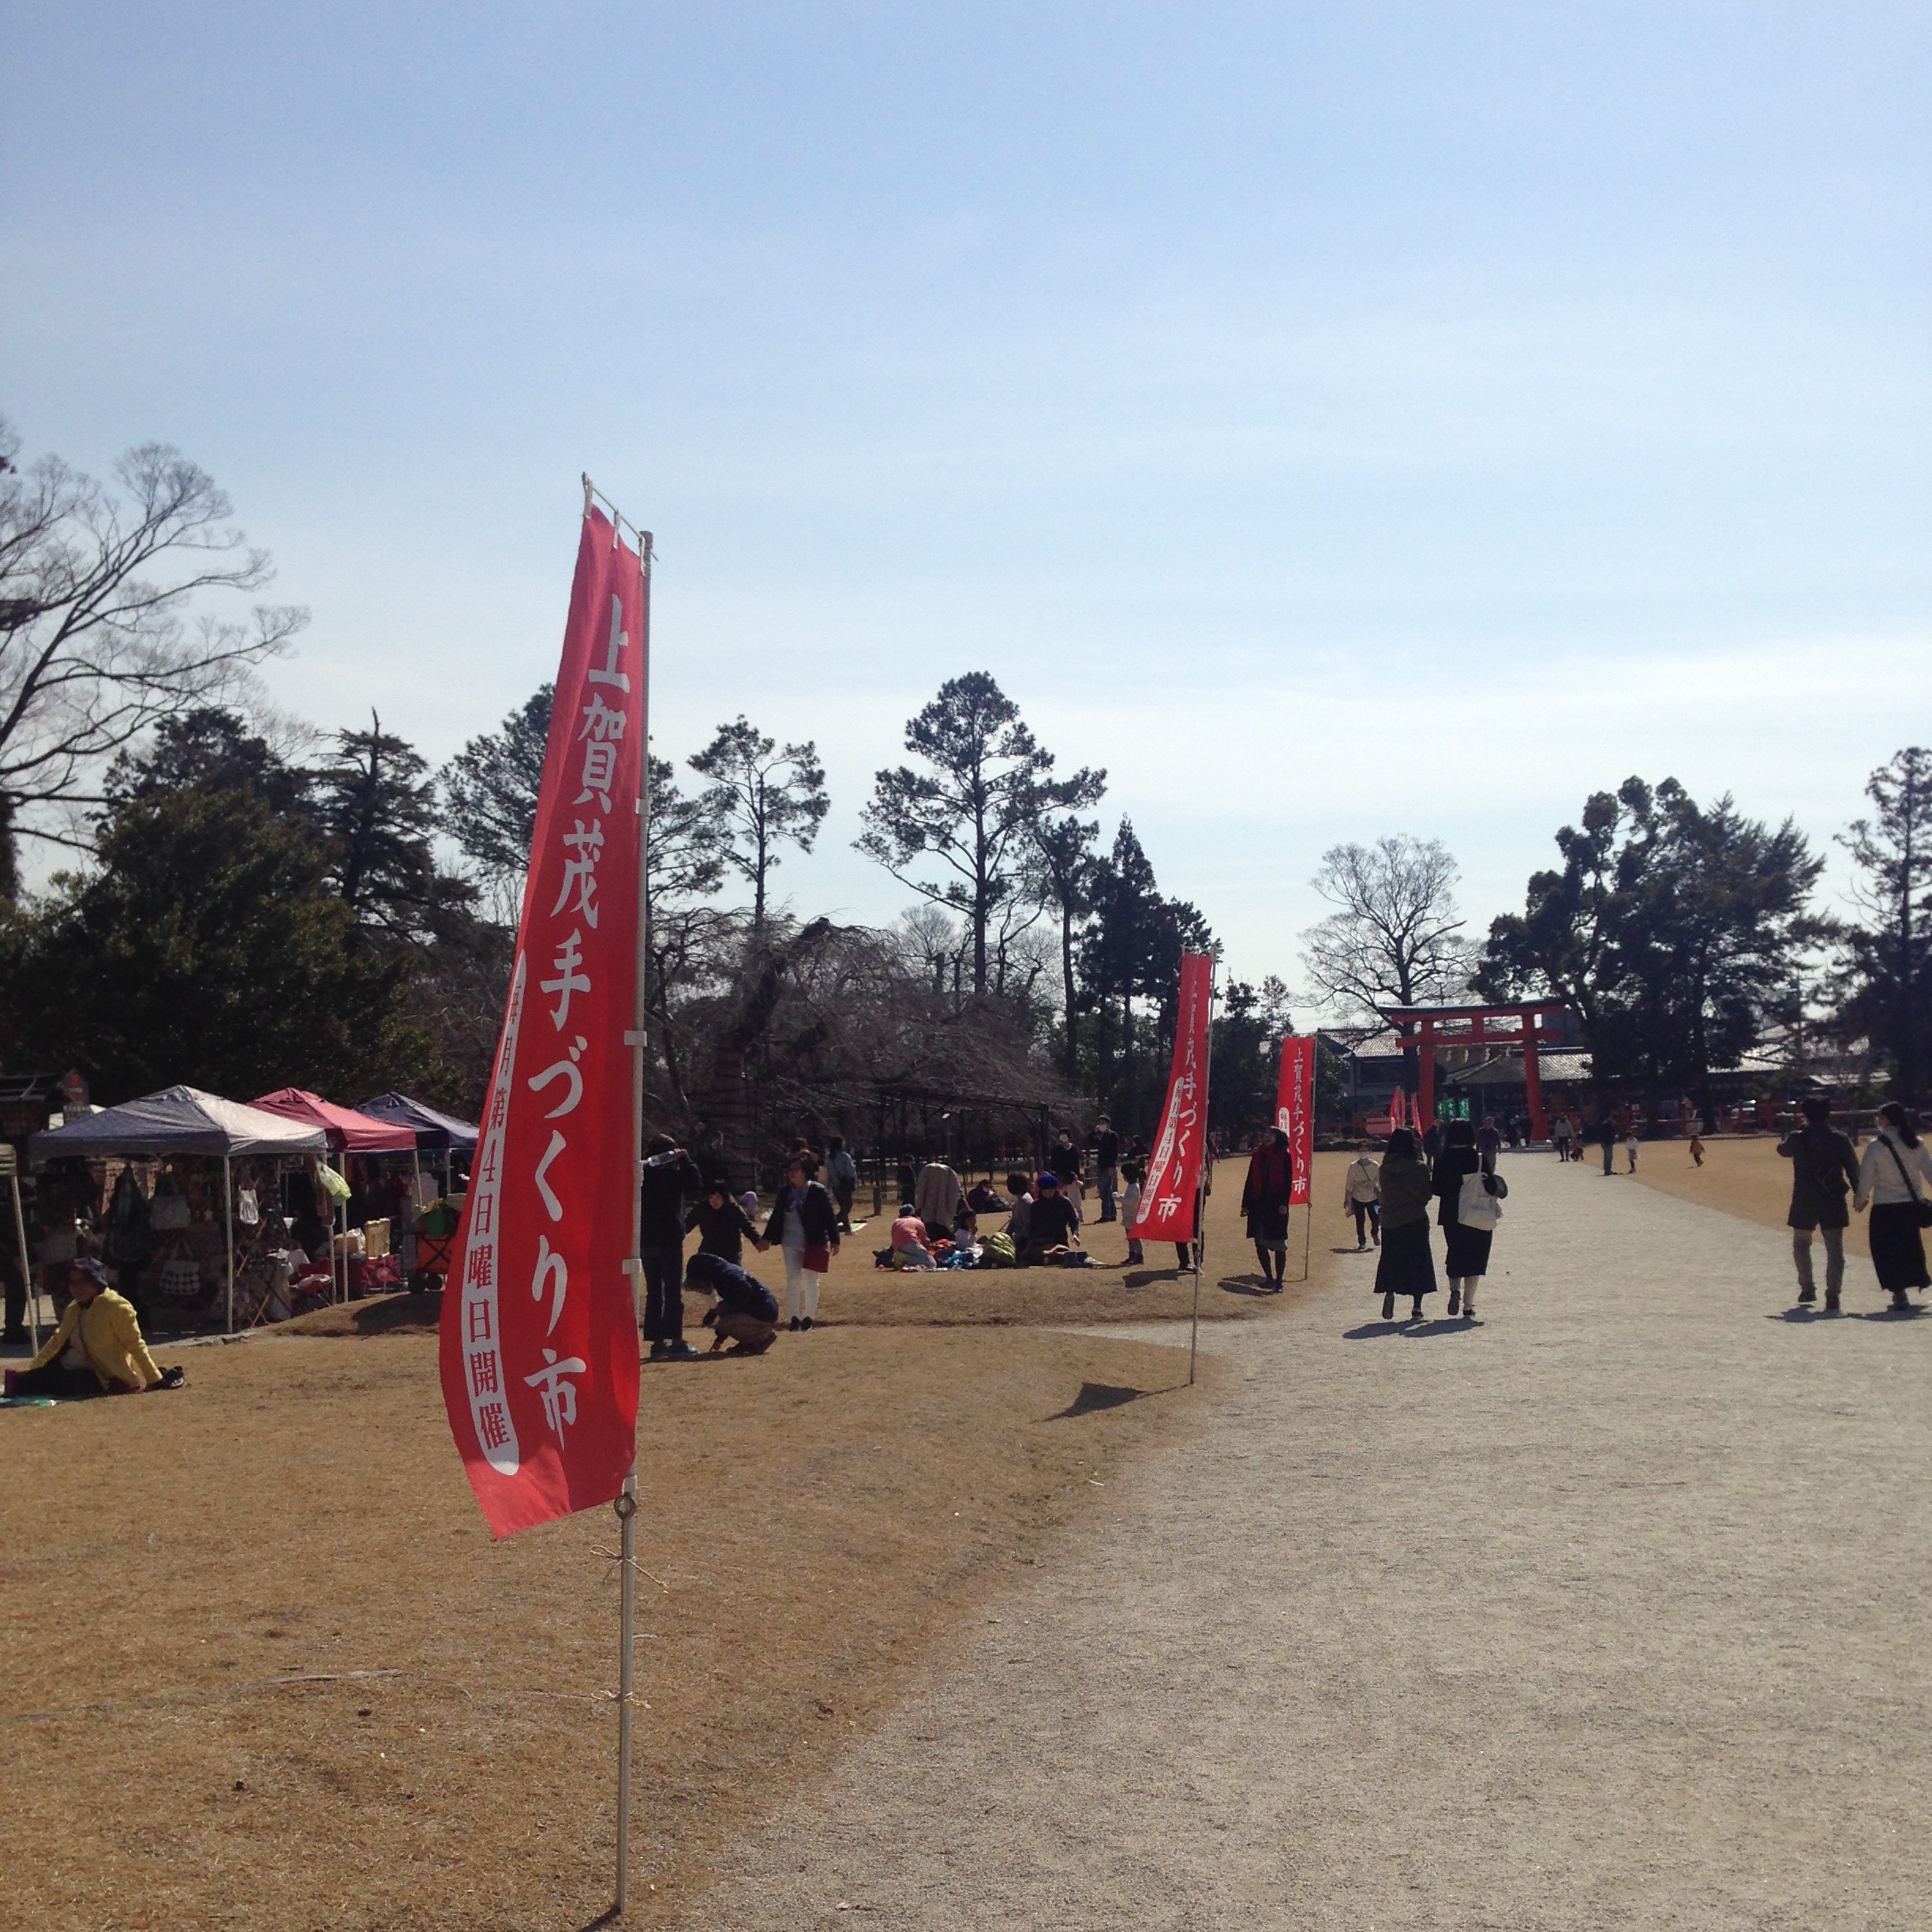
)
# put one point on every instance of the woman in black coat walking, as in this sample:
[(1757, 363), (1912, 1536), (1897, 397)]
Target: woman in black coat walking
[(1468, 1255), (1407, 1267)]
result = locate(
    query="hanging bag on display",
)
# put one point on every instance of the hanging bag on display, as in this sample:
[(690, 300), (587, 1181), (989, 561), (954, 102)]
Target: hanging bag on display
[(1911, 1186), (1480, 1205)]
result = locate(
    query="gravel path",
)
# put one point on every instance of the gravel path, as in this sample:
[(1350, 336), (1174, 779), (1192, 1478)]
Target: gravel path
[(1611, 1611)]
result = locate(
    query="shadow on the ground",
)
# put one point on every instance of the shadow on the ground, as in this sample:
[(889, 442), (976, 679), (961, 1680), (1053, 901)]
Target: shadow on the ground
[(1097, 1395), (1244, 1285), (1146, 1277), (1355, 1251), (1406, 1325)]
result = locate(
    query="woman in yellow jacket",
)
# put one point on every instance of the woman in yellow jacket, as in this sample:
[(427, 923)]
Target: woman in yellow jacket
[(97, 1350)]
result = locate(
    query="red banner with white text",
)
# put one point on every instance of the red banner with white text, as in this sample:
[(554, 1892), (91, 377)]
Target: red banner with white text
[(1173, 1175), (1294, 1110), (539, 1331)]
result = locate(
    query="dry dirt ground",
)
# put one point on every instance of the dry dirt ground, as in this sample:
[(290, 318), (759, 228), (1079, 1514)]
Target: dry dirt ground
[(1608, 1610), (269, 1671)]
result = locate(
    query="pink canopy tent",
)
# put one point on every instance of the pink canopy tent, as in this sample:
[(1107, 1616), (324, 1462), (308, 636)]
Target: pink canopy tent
[(347, 1131)]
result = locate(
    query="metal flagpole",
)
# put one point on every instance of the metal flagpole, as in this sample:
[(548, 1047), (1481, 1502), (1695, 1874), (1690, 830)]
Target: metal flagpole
[(627, 1504), (19, 1234), (1200, 1186), (228, 1201)]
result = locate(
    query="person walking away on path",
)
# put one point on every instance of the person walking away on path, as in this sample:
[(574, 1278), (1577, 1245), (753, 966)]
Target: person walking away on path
[(804, 1224), (1489, 1144), (842, 1178), (1696, 1151), (1468, 1254), (1106, 1160), (1131, 1171), (1264, 1201), (936, 1198), (747, 1311), (1825, 1169), (1361, 1195), (1407, 1267), (721, 1225), (1606, 1138), (1560, 1134), (1432, 1140), (97, 1348), (1893, 1179), (670, 1177), (1630, 1147)]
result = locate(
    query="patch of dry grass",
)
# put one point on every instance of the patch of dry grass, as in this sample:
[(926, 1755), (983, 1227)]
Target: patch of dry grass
[(272, 1673)]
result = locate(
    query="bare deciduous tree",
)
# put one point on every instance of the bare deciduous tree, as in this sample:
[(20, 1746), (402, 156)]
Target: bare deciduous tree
[(1396, 937), (98, 639)]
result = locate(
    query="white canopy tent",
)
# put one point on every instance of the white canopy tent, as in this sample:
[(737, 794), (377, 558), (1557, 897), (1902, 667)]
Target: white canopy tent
[(182, 1120)]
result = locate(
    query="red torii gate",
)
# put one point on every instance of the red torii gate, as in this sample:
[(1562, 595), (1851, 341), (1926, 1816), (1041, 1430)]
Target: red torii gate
[(1475, 1026)]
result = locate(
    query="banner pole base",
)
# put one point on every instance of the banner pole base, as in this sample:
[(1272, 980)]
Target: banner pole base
[(625, 1506)]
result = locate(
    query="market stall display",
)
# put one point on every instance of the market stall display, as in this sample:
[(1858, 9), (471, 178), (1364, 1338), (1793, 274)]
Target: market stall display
[(174, 1124)]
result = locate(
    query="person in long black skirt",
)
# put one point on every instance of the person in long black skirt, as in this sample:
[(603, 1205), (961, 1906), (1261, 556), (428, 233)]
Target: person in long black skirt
[(1468, 1255), (1406, 1265), (1265, 1201), (1894, 1176)]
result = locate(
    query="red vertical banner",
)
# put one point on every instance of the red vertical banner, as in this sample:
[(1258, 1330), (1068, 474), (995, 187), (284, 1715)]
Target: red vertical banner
[(1173, 1175), (1294, 1110), (539, 1332)]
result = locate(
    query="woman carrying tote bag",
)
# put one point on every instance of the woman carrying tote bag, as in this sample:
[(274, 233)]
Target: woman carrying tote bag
[(1894, 1178)]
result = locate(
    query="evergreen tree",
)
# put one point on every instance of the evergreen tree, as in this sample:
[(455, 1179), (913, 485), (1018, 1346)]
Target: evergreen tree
[(988, 781), (490, 790), (760, 797), (377, 807), (208, 948), (1886, 962), (213, 748)]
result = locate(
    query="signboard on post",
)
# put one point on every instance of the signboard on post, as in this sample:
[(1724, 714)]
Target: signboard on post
[(1168, 1198), (539, 1331), (1294, 1110)]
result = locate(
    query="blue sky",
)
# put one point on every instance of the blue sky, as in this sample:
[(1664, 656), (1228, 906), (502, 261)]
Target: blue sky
[(1335, 420)]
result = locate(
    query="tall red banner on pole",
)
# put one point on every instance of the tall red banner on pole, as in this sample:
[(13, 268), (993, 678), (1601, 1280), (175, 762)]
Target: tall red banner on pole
[(1174, 1174), (1294, 1110), (539, 1332)]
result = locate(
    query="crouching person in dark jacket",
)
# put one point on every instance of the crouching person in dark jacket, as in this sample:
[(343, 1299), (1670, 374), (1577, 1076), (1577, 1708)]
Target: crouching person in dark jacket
[(747, 1311)]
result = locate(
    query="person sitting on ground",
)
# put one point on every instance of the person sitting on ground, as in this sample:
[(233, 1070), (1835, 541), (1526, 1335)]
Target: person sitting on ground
[(1053, 1229), (985, 1198), (966, 1233), (97, 1350), (721, 1224), (747, 1311), (909, 1240)]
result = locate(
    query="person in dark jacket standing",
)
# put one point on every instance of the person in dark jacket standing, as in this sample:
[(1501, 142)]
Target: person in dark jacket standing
[(1407, 1267), (804, 1224), (1824, 1170), (1264, 1201), (721, 1224), (670, 1177), (1106, 1144), (1606, 1138)]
